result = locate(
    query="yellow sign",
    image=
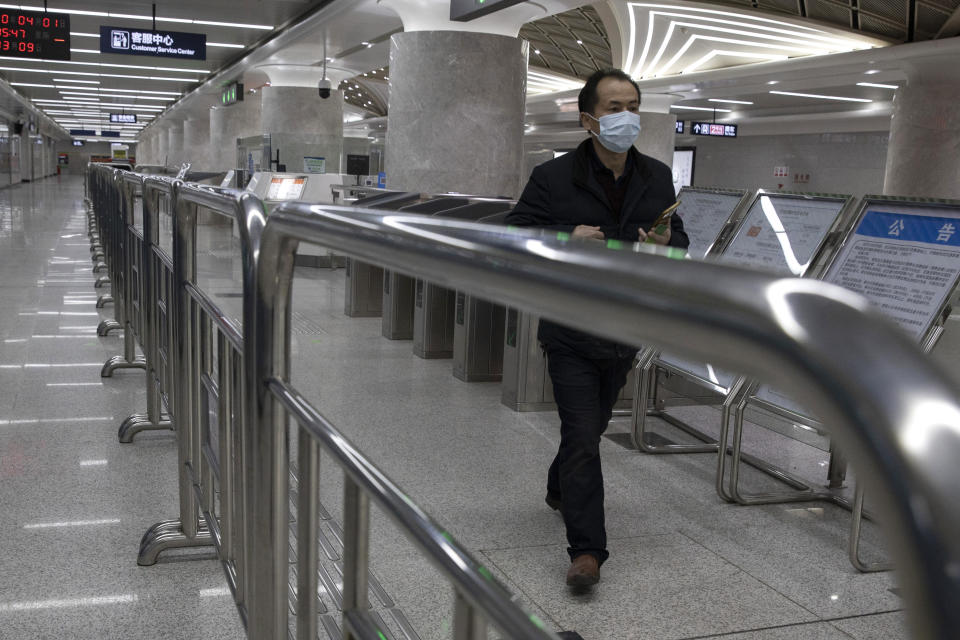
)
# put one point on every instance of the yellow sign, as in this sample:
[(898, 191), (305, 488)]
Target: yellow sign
[(119, 154)]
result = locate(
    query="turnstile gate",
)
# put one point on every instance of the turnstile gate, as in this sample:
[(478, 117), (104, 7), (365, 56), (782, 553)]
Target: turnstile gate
[(363, 296), (398, 292), (478, 331), (434, 313)]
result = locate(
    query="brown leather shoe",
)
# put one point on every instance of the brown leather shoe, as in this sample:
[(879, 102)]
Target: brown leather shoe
[(584, 571)]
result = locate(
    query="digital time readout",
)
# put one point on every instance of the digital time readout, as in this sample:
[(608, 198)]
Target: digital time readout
[(34, 34)]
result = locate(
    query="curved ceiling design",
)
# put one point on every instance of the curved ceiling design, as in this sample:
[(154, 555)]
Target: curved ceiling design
[(671, 38)]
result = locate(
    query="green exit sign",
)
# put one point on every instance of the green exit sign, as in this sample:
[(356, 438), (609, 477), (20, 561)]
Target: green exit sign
[(231, 94), (466, 10)]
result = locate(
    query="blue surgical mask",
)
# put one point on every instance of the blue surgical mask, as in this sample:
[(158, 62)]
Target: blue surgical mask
[(618, 131)]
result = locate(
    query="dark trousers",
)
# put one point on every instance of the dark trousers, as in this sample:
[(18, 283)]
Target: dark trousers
[(585, 390)]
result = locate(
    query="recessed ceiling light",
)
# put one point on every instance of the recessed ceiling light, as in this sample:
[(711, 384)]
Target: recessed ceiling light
[(871, 72), (536, 51), (773, 82), (878, 85), (730, 101), (820, 97), (579, 41)]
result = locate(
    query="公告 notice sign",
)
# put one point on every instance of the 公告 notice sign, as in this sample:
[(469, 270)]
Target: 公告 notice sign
[(145, 42)]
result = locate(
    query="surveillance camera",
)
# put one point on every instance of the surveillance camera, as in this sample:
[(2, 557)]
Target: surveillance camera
[(325, 87)]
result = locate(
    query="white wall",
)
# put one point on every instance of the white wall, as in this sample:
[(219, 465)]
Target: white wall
[(80, 156), (847, 163)]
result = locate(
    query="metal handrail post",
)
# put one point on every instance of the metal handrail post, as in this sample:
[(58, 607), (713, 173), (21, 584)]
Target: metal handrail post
[(123, 272), (900, 425), (154, 418)]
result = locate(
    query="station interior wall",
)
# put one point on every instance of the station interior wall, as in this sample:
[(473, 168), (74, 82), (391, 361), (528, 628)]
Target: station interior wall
[(78, 157), (846, 163)]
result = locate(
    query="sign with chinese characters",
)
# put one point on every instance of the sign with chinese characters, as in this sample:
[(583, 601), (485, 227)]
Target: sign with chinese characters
[(83, 132), (905, 259), (780, 234), (286, 188), (34, 34), (704, 213), (713, 129), (109, 134), (679, 126), (78, 143), (145, 42), (314, 164), (124, 118)]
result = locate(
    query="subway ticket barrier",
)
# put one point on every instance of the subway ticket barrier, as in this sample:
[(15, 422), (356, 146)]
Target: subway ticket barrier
[(825, 346), (364, 292)]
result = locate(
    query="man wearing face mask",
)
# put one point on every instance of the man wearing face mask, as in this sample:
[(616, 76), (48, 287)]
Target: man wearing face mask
[(604, 190)]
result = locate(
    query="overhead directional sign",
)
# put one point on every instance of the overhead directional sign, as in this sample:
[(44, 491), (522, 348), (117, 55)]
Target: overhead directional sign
[(713, 129), (145, 42), (231, 94), (466, 10), (34, 34), (124, 118)]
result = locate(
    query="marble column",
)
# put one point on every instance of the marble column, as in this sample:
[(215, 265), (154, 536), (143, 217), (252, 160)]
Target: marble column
[(196, 143), (456, 111), (163, 145), (143, 149), (658, 133), (239, 120), (923, 156), (302, 124), (175, 143)]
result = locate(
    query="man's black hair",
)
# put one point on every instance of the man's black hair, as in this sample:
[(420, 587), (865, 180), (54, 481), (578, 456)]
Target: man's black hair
[(587, 101)]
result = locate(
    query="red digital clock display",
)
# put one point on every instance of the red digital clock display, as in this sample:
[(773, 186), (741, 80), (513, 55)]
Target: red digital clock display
[(34, 34)]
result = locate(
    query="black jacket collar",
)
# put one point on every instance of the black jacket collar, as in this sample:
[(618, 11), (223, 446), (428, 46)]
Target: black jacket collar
[(583, 175)]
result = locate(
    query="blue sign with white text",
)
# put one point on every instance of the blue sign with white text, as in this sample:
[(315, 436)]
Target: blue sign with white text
[(145, 42), (910, 228)]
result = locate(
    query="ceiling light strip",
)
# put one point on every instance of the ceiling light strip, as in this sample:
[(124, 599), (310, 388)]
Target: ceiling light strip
[(112, 65), (100, 75), (711, 109), (878, 85), (819, 96)]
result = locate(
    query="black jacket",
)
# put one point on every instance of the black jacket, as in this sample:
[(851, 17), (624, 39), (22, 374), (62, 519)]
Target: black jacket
[(564, 192)]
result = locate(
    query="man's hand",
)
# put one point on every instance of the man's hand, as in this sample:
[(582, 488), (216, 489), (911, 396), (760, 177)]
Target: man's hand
[(656, 237), (584, 231)]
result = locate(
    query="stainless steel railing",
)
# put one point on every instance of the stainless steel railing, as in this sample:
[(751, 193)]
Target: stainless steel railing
[(896, 415), (900, 424)]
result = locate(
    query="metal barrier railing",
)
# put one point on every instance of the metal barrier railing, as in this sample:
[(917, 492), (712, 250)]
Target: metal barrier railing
[(156, 284), (900, 425)]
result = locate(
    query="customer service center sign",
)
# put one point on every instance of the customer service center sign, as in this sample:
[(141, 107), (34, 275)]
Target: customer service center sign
[(144, 42)]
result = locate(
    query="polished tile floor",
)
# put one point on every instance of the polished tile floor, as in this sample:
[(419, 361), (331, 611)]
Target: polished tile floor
[(75, 502)]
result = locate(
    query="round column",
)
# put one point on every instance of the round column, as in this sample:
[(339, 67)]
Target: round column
[(163, 145), (922, 156), (175, 143), (229, 123), (456, 111), (303, 124), (196, 143)]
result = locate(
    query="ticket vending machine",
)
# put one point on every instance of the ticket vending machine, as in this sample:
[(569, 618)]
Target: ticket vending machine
[(275, 188)]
